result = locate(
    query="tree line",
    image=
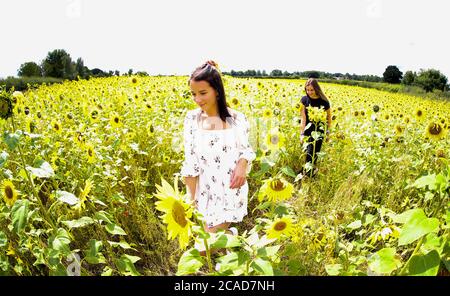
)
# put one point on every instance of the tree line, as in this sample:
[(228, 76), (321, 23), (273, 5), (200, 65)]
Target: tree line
[(427, 79), (59, 64)]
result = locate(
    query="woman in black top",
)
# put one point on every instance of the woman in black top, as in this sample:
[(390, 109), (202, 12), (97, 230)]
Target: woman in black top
[(314, 98)]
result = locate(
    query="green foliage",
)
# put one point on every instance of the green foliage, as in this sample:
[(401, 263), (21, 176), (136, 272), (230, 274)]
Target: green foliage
[(409, 78), (392, 75), (431, 79), (416, 225), (24, 83), (59, 64), (30, 69)]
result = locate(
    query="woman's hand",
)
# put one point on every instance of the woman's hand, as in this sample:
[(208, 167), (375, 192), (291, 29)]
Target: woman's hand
[(239, 175)]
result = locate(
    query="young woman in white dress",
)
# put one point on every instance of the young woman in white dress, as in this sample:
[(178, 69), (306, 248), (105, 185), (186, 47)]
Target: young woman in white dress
[(218, 155)]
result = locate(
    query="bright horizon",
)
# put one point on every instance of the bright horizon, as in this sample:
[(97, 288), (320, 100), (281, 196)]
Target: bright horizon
[(172, 37)]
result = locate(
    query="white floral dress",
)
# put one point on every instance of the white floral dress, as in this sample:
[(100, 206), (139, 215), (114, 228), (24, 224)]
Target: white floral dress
[(212, 155)]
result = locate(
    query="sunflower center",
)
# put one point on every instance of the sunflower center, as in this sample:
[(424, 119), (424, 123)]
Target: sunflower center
[(116, 119), (277, 185), (90, 152), (178, 214), (280, 226), (435, 129), (56, 127), (3, 106), (9, 192), (274, 139)]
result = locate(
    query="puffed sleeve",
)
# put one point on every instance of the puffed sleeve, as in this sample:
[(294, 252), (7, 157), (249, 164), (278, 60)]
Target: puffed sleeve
[(190, 167), (245, 149)]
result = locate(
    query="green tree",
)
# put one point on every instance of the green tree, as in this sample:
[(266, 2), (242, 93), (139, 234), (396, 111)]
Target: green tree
[(312, 74), (96, 72), (409, 78), (392, 75), (30, 69), (58, 63), (431, 79), (80, 69), (276, 72)]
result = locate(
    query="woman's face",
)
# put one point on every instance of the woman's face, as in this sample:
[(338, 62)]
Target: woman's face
[(204, 95), (311, 92)]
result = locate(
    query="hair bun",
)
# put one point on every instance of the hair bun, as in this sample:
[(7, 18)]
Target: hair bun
[(213, 64)]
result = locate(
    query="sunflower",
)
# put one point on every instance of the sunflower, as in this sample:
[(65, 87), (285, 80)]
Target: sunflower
[(399, 129), (406, 120), (94, 115), (318, 238), (267, 113), (79, 139), (90, 153), (276, 189), (318, 114), (235, 102), (5, 105), (275, 140), (134, 81), (150, 129), (83, 195), (30, 125), (115, 120), (435, 131), (440, 153), (419, 114), (279, 227), (177, 212), (9, 192), (56, 126), (18, 100)]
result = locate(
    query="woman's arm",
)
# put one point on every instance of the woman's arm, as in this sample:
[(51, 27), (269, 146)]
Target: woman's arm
[(329, 118), (190, 168), (303, 114), (246, 154)]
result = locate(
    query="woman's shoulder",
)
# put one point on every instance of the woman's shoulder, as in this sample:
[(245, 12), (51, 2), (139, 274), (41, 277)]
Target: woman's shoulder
[(304, 100), (192, 114), (236, 115)]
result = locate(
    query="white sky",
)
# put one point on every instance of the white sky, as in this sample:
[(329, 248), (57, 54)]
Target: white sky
[(175, 36)]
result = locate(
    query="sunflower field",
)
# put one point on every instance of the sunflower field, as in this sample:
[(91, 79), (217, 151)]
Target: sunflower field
[(90, 185)]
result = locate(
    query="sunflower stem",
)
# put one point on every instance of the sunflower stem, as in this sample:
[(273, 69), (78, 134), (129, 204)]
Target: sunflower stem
[(205, 241), (416, 249), (208, 255), (30, 180)]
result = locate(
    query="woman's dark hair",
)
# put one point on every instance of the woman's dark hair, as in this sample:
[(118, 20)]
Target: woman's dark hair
[(208, 72)]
